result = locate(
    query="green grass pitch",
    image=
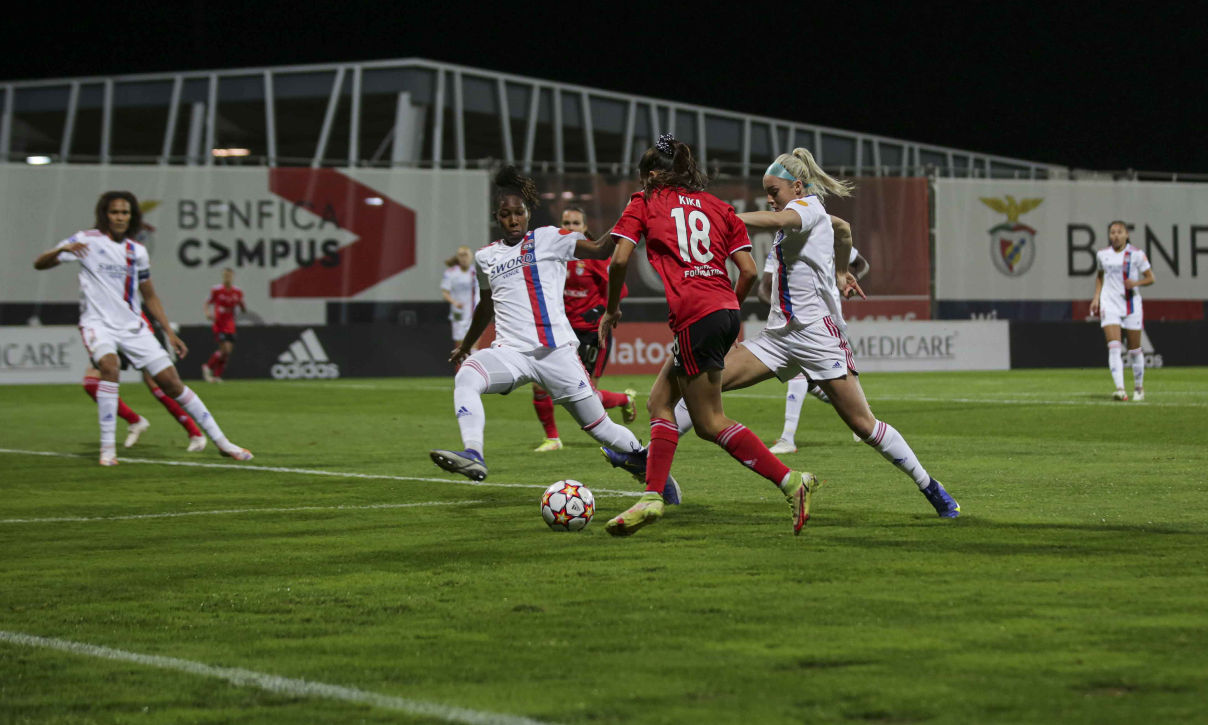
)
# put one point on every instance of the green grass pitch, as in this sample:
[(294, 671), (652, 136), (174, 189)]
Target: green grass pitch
[(1072, 589)]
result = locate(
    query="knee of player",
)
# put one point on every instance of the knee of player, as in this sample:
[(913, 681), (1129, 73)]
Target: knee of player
[(707, 430), (470, 379)]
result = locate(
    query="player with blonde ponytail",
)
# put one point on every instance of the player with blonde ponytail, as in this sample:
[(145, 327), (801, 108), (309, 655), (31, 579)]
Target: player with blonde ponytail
[(805, 332), (804, 168)]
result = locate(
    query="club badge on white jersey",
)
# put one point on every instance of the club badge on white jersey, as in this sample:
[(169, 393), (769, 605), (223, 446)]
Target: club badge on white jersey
[(109, 275), (526, 281)]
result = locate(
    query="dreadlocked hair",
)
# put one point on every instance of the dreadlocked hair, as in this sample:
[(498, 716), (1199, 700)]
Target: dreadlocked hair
[(509, 181), (673, 167)]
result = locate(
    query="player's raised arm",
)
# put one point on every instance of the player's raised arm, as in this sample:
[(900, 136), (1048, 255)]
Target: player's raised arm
[(50, 258), (771, 220), (601, 248)]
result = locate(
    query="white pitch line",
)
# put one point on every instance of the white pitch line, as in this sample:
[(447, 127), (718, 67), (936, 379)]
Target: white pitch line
[(218, 512), (990, 401), (274, 683), (313, 472)]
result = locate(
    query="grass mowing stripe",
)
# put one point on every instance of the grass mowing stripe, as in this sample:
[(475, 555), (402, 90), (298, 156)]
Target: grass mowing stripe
[(313, 472), (274, 683), (218, 512)]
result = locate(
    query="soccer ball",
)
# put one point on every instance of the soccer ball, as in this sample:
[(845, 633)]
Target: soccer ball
[(567, 506)]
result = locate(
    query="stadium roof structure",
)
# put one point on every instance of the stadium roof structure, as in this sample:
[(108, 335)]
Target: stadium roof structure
[(420, 113)]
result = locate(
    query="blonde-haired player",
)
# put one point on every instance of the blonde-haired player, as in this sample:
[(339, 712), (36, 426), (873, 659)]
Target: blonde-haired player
[(805, 329), (1122, 269), (799, 386), (459, 287)]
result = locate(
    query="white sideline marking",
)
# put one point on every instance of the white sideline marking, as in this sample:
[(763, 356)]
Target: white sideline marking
[(991, 401), (314, 472), (274, 683), (217, 512)]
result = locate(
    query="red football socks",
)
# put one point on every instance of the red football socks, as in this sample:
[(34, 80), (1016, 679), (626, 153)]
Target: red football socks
[(612, 400), (746, 447), (664, 438), (545, 412), (177, 412)]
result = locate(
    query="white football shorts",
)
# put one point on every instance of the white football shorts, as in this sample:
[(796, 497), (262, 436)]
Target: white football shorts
[(139, 346), (1117, 315), (819, 350), (558, 370)]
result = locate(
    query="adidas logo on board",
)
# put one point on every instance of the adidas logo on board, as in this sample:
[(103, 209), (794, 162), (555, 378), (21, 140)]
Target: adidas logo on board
[(305, 358)]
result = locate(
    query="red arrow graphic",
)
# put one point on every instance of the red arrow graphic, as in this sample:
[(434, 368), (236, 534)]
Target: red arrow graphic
[(385, 232)]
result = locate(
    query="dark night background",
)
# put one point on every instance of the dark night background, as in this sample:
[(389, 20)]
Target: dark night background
[(1085, 85)]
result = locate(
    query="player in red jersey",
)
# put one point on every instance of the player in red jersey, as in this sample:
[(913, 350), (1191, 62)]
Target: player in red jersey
[(689, 235), (584, 296), (224, 298)]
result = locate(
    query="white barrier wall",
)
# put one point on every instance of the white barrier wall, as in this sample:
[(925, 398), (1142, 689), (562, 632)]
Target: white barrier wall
[(295, 237), (52, 354), (1036, 240), (898, 346), (922, 346)]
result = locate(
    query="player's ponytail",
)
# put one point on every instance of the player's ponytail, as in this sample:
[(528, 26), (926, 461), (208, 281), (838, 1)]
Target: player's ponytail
[(509, 181), (673, 166), (804, 168)]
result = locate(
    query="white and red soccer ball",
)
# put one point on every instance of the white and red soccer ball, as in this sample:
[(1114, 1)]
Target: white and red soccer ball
[(567, 506)]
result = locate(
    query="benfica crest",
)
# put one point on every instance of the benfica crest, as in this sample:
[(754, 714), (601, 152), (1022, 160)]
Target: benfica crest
[(1012, 244)]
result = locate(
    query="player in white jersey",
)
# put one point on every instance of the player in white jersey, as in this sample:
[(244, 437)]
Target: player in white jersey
[(522, 278), (799, 386), (1122, 269), (459, 287), (115, 280), (805, 329)]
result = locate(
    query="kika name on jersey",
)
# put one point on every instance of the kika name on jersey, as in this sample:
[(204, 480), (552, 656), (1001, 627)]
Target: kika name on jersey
[(688, 201), (524, 260)]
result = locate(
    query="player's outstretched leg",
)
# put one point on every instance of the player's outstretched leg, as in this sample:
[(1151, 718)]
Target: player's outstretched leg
[(469, 384), (893, 447), (197, 441), (196, 408)]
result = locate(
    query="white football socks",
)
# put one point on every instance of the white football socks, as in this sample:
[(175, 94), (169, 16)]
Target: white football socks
[(468, 387), (194, 407), (1115, 364), (589, 414), (1137, 358), (793, 399), (106, 411), (890, 444)]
